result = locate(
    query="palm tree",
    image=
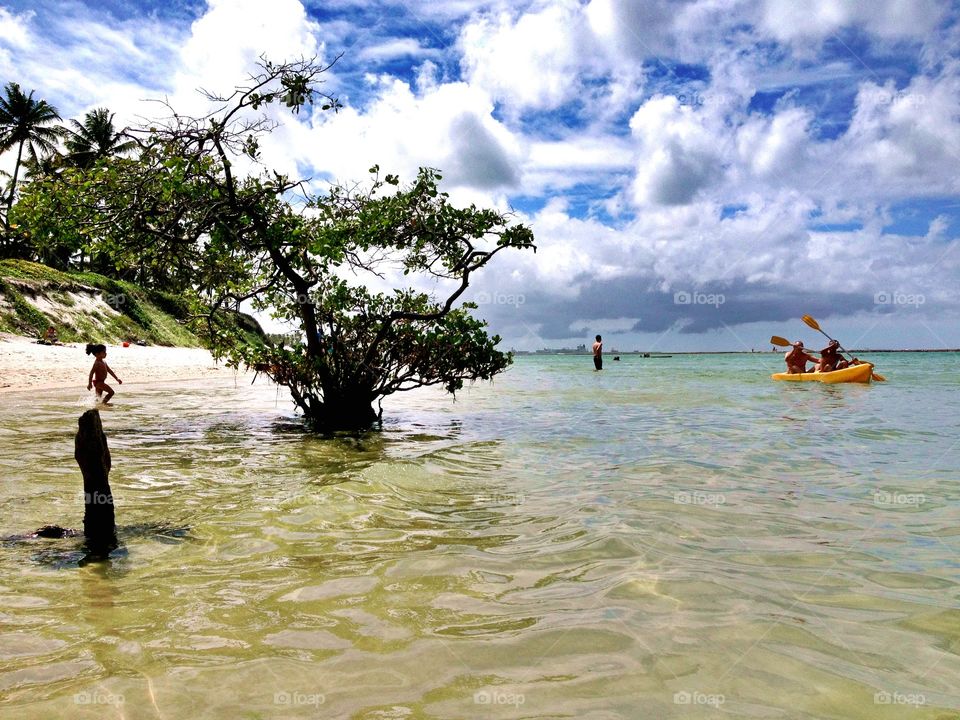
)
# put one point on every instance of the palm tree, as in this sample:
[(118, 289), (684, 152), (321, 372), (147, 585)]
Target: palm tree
[(25, 121), (40, 166), (95, 138)]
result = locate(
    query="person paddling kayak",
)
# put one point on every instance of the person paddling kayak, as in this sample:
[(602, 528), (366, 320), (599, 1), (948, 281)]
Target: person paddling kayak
[(830, 358), (797, 359)]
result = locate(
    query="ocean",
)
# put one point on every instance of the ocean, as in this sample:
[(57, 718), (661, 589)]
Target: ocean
[(669, 538)]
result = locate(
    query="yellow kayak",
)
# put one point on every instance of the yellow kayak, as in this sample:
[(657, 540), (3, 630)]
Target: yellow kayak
[(854, 373)]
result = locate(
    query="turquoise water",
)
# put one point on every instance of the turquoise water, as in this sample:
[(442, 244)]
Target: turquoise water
[(671, 538)]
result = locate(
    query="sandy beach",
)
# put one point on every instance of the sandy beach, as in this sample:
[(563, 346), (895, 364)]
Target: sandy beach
[(25, 365)]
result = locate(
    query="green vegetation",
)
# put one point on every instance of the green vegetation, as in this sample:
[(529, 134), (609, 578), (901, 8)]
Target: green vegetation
[(154, 317), (22, 318), (25, 123), (163, 205)]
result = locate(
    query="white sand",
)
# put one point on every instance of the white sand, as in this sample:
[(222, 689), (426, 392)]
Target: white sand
[(25, 365)]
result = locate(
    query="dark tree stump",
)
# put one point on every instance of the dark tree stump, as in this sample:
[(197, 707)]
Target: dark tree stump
[(93, 457)]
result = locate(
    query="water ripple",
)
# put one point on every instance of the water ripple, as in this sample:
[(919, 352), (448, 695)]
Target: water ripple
[(681, 538)]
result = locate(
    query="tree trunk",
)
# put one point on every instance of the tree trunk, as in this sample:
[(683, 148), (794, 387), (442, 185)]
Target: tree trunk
[(13, 189), (343, 410), (93, 457)]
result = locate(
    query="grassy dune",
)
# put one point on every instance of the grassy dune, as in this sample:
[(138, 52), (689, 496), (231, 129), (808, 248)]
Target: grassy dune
[(87, 307)]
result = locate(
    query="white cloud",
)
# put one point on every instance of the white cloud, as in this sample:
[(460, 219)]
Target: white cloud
[(15, 28), (530, 63), (909, 135), (78, 62), (634, 29), (446, 126), (580, 153), (677, 153), (774, 146), (815, 19), (225, 42), (402, 47)]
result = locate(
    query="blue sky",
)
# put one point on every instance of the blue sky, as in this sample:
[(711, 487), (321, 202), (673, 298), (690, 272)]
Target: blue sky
[(698, 174)]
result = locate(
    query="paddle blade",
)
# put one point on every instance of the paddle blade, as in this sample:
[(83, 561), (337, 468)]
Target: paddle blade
[(878, 377), (777, 340), (811, 322)]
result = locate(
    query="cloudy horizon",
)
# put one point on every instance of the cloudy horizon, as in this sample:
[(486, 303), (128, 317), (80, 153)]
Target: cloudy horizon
[(698, 174)]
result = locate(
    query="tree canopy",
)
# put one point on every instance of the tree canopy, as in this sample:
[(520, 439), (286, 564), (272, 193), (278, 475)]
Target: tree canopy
[(95, 138)]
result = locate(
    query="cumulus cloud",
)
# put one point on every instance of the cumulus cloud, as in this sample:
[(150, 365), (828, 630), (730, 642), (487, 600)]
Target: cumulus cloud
[(531, 61), (773, 147), (909, 135), (635, 29), (476, 158), (677, 154), (281, 31), (446, 126)]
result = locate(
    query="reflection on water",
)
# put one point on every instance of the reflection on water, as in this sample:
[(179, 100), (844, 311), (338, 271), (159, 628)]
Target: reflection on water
[(656, 540)]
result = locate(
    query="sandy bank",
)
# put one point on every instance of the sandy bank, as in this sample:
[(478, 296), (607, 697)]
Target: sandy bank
[(24, 365)]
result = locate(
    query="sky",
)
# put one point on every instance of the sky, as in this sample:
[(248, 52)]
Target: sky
[(698, 173)]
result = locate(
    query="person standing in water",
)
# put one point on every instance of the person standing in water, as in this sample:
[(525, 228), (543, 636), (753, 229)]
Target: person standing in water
[(598, 354), (98, 374)]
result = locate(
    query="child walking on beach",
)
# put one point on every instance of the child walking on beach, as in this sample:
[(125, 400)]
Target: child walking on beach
[(98, 374)]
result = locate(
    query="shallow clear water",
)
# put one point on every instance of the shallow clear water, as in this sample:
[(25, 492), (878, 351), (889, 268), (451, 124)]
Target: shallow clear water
[(671, 538)]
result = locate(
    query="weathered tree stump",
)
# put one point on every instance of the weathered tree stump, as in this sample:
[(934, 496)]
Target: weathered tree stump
[(93, 457)]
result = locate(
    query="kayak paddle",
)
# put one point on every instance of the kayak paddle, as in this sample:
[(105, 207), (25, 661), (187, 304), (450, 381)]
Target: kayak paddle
[(783, 342), (810, 322)]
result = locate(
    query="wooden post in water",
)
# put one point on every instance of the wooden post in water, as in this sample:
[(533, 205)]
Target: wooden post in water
[(93, 457)]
